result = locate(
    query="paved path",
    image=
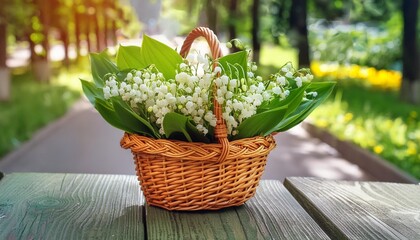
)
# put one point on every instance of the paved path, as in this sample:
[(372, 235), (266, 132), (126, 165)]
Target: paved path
[(82, 142)]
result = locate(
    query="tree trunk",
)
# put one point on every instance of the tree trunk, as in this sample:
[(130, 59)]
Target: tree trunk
[(77, 31), (87, 33), (98, 31), (4, 71), (3, 44), (65, 39), (211, 12), (410, 89), (105, 30), (233, 5), (45, 19), (31, 47), (42, 70), (256, 41), (41, 66), (114, 32), (299, 27), (233, 18)]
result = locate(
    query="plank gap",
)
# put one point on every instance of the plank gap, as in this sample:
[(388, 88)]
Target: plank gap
[(321, 219)]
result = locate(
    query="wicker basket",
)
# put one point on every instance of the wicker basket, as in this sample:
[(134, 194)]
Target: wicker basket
[(178, 175)]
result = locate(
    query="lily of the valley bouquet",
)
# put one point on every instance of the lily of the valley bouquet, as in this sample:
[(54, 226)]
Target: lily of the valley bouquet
[(199, 126), (152, 91)]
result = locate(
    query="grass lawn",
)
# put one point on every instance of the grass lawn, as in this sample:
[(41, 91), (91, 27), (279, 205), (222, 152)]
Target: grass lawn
[(276, 57), (33, 105), (375, 120), (370, 117)]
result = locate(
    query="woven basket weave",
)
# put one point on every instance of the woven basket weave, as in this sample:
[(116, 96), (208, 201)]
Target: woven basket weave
[(178, 175)]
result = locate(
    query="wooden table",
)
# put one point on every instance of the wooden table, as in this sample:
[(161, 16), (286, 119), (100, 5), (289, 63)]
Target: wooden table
[(83, 206)]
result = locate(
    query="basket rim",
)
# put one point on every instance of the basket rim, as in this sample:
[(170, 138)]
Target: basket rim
[(197, 151), (198, 143)]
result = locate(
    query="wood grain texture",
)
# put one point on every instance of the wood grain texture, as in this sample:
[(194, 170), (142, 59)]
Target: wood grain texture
[(70, 206), (360, 210), (271, 214)]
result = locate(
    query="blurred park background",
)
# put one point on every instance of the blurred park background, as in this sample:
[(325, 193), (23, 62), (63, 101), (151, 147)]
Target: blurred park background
[(370, 47)]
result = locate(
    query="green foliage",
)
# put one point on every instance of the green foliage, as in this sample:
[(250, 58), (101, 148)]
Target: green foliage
[(303, 110), (186, 13), (280, 11), (15, 13), (234, 64), (373, 10), (110, 115), (132, 122), (351, 44), (354, 10), (178, 126), (119, 116), (100, 66), (33, 105), (329, 10), (261, 124), (274, 57), (273, 116), (271, 111), (91, 91), (128, 58), (163, 57), (290, 101), (375, 120)]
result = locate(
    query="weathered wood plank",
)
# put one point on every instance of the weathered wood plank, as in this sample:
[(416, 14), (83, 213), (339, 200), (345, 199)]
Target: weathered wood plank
[(360, 210), (70, 206), (271, 214)]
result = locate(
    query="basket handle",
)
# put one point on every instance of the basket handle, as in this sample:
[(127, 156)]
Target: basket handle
[(220, 131)]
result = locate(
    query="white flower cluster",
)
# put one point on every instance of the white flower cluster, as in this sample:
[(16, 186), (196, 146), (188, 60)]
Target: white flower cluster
[(191, 92), (148, 92), (242, 97)]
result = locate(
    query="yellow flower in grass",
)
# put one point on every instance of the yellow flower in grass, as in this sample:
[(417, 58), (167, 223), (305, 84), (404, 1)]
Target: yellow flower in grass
[(316, 69), (378, 149), (348, 117), (321, 123), (355, 71), (395, 80), (364, 73), (385, 79), (371, 74), (411, 148)]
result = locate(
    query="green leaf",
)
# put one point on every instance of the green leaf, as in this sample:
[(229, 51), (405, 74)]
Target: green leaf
[(120, 76), (279, 119), (134, 122), (107, 112), (261, 123), (101, 65), (163, 57), (293, 101), (175, 123), (129, 57), (234, 64), (323, 89), (196, 135), (180, 127), (91, 91), (293, 119)]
